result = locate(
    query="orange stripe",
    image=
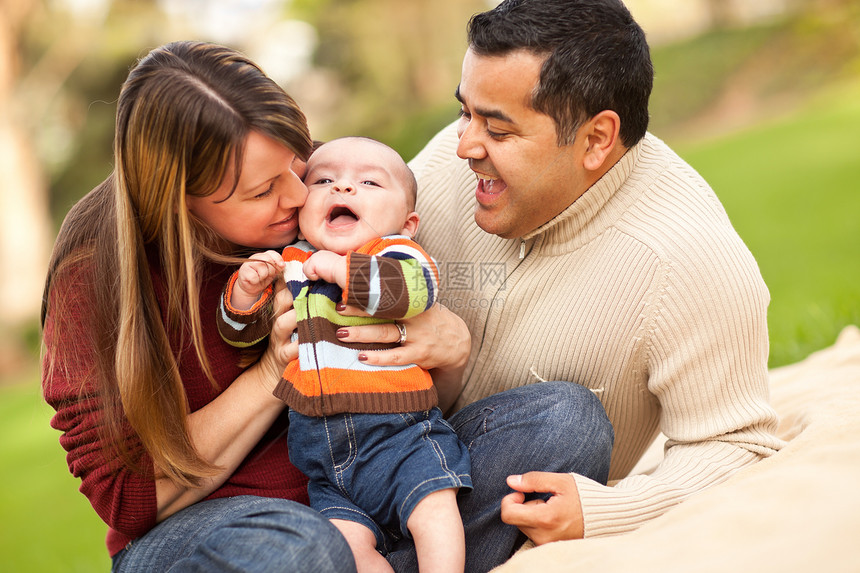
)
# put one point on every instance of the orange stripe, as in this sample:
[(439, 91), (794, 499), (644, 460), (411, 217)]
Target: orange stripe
[(341, 380)]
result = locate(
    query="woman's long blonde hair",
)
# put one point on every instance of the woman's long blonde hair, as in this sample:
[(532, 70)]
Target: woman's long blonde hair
[(183, 114)]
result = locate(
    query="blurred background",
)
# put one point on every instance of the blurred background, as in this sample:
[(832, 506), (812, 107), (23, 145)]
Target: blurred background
[(763, 98)]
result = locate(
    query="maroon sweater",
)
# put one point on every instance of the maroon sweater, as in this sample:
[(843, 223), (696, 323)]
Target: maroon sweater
[(124, 499)]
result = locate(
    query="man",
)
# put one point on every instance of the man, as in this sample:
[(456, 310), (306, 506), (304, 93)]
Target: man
[(587, 251)]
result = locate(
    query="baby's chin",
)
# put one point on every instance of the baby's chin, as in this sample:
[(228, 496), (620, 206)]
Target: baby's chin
[(344, 239), (341, 245)]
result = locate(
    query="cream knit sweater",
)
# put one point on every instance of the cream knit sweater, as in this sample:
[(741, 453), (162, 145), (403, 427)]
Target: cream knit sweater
[(641, 291)]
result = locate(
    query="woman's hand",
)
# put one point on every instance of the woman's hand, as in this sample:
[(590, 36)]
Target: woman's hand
[(281, 349), (436, 340)]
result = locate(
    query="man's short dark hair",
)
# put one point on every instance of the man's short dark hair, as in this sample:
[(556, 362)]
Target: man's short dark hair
[(597, 58)]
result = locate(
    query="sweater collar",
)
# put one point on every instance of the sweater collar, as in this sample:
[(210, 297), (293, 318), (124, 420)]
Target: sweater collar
[(593, 211)]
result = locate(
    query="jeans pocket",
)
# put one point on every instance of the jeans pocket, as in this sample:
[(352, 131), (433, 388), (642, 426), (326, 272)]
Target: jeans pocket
[(471, 424)]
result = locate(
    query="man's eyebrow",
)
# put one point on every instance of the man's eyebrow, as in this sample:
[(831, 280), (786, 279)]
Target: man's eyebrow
[(488, 113)]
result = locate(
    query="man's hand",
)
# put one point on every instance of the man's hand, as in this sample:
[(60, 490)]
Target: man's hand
[(558, 518)]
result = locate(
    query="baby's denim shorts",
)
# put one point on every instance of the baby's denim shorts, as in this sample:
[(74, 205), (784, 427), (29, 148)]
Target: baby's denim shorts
[(374, 468)]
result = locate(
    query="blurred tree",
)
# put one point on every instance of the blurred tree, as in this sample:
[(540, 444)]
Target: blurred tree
[(24, 223), (727, 79), (60, 63), (86, 55), (392, 66), (723, 13)]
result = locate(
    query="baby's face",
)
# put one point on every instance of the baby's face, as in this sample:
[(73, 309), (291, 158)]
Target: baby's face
[(356, 192)]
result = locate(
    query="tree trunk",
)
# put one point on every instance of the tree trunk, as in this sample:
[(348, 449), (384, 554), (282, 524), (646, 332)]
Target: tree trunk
[(25, 229), (722, 13)]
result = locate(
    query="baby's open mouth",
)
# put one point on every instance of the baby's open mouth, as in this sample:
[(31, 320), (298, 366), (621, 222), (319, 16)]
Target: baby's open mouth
[(340, 216)]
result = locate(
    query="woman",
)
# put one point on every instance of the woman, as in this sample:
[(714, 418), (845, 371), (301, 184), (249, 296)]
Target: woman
[(176, 446)]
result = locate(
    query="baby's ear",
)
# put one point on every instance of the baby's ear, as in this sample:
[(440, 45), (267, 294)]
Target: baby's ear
[(410, 226)]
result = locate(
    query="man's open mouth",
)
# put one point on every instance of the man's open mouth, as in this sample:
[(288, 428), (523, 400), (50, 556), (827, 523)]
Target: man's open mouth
[(489, 186)]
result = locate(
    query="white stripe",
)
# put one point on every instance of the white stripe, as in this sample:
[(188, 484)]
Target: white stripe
[(238, 326), (374, 287), (293, 272), (418, 256), (334, 356), (406, 249)]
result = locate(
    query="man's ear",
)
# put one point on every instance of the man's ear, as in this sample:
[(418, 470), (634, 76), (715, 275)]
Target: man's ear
[(601, 139), (410, 227)]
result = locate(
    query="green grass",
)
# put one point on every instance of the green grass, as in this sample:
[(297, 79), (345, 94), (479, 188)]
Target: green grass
[(792, 190), (690, 75), (46, 526)]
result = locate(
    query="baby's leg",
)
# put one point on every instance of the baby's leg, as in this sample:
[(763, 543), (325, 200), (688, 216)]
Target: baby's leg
[(437, 529), (363, 544)]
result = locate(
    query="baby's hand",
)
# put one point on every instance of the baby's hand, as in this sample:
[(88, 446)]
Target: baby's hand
[(327, 266), (254, 277)]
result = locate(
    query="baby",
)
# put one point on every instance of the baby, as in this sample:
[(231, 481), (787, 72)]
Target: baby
[(379, 455)]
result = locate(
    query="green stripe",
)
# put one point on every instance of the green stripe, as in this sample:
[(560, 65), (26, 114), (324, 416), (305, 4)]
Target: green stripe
[(416, 286), (323, 308)]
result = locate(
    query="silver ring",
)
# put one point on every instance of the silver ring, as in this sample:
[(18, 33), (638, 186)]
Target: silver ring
[(402, 330)]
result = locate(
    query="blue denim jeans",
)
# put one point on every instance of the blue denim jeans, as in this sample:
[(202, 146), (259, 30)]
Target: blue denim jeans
[(548, 426), (245, 533), (374, 468)]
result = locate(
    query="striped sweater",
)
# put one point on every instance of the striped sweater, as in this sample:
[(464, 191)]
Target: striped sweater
[(640, 290), (391, 278)]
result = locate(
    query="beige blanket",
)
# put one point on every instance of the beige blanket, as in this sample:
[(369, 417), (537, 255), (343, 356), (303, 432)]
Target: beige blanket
[(799, 510)]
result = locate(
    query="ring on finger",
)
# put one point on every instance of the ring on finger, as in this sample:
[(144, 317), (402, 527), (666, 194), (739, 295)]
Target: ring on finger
[(402, 330)]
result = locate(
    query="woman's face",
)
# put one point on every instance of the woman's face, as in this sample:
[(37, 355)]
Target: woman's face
[(262, 213)]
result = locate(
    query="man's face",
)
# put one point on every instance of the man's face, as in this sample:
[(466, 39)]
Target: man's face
[(524, 178)]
